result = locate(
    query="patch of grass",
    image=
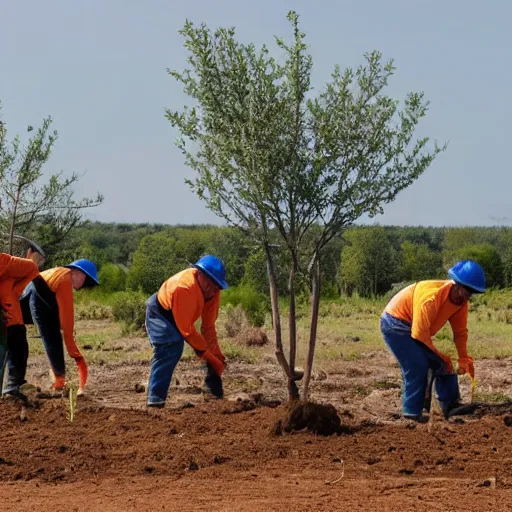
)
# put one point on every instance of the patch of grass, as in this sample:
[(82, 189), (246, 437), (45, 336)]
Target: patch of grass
[(237, 352), (245, 384), (360, 390), (386, 384), (482, 396)]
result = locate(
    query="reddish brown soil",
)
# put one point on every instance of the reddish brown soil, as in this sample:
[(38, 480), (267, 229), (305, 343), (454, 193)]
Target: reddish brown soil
[(201, 455), (218, 456)]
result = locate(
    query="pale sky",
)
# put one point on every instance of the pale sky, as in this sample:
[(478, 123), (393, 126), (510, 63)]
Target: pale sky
[(98, 67)]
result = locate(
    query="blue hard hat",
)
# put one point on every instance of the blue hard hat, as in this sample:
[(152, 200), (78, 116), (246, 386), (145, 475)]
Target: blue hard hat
[(470, 274), (87, 267), (213, 267)]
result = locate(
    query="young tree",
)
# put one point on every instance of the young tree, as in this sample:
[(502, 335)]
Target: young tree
[(418, 262), (368, 262), (270, 156), (26, 202)]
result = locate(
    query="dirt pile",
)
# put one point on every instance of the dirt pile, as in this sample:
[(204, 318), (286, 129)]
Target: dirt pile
[(316, 418)]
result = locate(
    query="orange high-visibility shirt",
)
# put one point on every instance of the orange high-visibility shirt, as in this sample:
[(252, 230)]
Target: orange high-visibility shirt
[(59, 281), (426, 307), (15, 275), (181, 294)]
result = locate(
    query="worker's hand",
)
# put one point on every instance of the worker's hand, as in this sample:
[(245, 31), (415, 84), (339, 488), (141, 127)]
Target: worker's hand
[(82, 372), (214, 362), (58, 383), (447, 363), (466, 366), (214, 382)]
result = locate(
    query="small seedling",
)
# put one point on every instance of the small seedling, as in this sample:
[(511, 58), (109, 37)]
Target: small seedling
[(73, 392)]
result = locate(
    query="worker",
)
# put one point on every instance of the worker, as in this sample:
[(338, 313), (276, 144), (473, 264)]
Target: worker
[(15, 274), (170, 316), (409, 321), (53, 313)]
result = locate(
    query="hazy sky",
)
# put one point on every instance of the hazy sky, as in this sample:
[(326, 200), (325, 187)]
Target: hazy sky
[(98, 67)]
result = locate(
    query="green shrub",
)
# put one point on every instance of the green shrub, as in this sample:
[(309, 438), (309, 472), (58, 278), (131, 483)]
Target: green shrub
[(112, 277), (129, 308), (255, 304)]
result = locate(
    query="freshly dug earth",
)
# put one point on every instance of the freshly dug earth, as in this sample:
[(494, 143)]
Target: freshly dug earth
[(219, 456), (321, 419)]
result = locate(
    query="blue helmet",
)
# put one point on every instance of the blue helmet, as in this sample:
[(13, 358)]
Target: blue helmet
[(470, 274), (213, 267), (87, 267)]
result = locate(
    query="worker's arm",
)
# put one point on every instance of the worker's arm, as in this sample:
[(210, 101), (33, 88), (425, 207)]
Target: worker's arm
[(208, 329), (424, 315), (65, 301), (184, 306), (459, 325), (64, 294)]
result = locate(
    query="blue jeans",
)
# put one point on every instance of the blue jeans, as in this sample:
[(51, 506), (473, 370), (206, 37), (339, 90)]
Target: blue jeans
[(17, 357), (168, 344), (43, 311), (416, 360)]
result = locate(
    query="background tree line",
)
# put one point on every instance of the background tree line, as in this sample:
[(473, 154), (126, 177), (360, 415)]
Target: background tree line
[(367, 260)]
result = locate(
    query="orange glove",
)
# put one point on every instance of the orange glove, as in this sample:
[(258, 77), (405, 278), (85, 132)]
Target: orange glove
[(82, 372), (466, 366), (216, 364), (59, 383)]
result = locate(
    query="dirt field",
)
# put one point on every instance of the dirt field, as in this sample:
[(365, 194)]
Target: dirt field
[(200, 454)]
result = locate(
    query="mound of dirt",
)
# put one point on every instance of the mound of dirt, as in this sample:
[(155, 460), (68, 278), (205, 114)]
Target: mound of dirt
[(321, 419)]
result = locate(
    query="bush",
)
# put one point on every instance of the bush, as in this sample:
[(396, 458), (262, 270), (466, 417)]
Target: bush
[(92, 311), (254, 304), (254, 337), (112, 277), (129, 308), (236, 320)]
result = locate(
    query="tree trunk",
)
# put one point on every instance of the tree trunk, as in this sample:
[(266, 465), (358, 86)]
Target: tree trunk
[(13, 219), (293, 392), (292, 320), (315, 305)]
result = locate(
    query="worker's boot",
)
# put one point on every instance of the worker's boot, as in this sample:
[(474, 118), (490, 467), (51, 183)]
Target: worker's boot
[(214, 383)]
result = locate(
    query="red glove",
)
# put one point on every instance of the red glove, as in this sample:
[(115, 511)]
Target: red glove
[(59, 383), (214, 362), (466, 366), (82, 372)]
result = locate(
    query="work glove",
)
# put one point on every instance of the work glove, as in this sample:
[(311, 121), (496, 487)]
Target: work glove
[(447, 363), (466, 366), (216, 364), (58, 382), (82, 372), (214, 383)]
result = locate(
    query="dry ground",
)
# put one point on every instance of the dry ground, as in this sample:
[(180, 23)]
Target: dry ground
[(202, 454)]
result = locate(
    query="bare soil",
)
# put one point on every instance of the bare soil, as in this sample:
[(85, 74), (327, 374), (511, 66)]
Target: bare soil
[(205, 454)]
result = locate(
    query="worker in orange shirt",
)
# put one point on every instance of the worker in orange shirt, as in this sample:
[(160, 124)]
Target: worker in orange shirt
[(53, 312), (170, 316), (15, 275), (409, 321)]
